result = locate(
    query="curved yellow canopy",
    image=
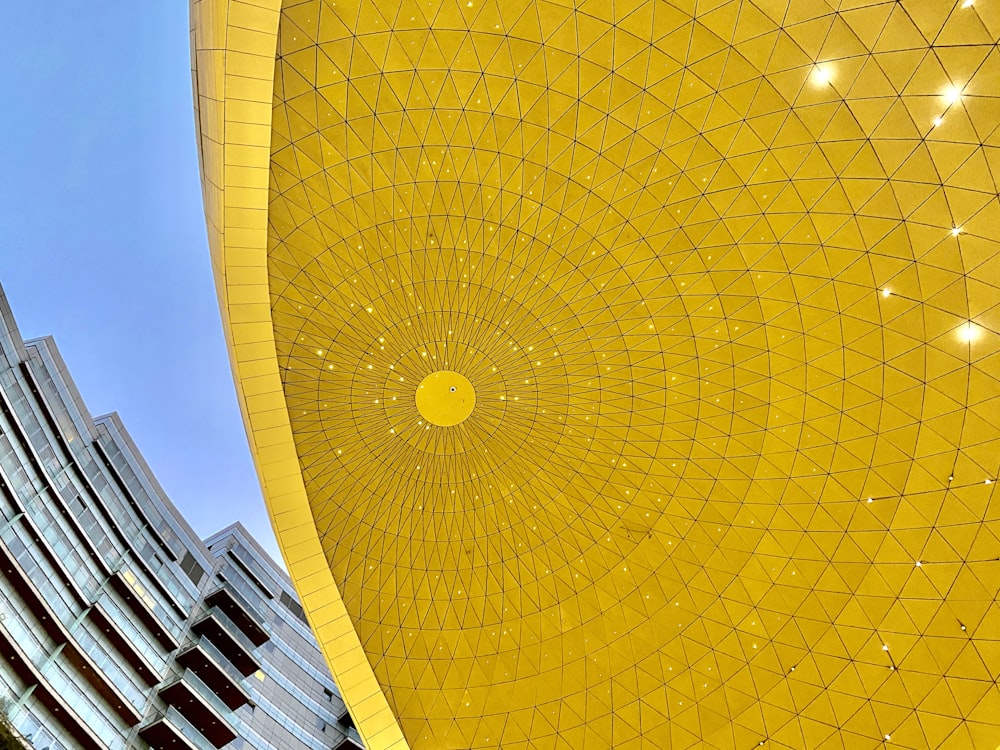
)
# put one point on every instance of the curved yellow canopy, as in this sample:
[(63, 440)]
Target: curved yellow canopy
[(622, 374)]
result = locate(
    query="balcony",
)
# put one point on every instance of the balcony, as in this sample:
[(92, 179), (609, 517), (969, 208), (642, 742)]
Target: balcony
[(200, 706), (235, 646), (211, 666), (102, 684), (132, 595), (115, 633), (11, 653), (346, 720), (32, 596), (39, 607), (243, 614), (349, 743), (165, 731)]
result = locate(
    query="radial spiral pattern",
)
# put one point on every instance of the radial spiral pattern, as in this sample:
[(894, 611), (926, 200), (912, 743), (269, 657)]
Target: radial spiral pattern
[(723, 277)]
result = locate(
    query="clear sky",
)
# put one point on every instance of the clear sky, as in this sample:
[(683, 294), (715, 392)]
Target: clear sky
[(103, 239)]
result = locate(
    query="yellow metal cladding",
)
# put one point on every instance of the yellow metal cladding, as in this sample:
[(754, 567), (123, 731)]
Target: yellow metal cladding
[(704, 297), (233, 52)]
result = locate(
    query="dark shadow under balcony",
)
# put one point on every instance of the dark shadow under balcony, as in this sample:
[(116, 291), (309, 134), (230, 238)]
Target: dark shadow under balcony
[(124, 646), (50, 623), (346, 720), (164, 732), (22, 583), (209, 664), (143, 611), (102, 684), (235, 646), (12, 654), (199, 705), (243, 614)]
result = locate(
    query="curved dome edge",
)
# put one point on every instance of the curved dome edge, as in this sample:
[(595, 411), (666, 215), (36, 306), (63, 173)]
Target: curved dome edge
[(234, 189)]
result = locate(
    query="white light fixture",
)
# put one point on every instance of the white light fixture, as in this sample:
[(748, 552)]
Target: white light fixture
[(955, 231), (886, 293), (952, 94)]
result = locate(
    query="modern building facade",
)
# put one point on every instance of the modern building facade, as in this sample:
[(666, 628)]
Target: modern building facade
[(119, 628), (622, 374)]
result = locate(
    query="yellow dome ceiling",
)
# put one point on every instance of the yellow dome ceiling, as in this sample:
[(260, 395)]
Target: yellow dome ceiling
[(623, 374)]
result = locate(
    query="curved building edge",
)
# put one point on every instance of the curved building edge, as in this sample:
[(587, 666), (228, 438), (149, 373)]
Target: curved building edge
[(233, 130)]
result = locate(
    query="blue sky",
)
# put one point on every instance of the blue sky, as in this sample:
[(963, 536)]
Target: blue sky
[(103, 243)]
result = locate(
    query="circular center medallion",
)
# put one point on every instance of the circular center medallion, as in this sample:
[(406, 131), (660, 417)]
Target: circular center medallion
[(445, 398)]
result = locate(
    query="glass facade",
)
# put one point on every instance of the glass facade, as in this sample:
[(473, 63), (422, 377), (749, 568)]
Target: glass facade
[(119, 627)]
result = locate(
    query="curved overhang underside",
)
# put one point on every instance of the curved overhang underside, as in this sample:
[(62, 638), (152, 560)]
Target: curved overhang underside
[(717, 288)]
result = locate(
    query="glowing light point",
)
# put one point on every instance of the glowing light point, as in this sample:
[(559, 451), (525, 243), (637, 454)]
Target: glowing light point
[(968, 3), (821, 76), (968, 332), (568, 444)]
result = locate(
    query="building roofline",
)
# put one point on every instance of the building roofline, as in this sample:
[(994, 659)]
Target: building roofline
[(239, 531), (159, 496), (16, 350), (47, 348), (11, 343)]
